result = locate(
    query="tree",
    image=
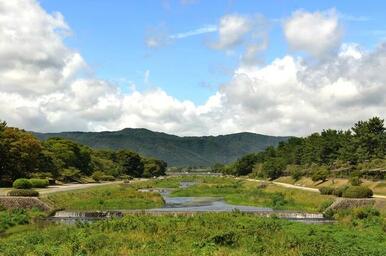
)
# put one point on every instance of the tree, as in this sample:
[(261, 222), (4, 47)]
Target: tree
[(154, 167), (273, 167), (133, 164), (321, 173), (19, 152)]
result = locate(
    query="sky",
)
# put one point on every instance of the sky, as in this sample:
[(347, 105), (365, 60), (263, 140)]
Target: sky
[(192, 67)]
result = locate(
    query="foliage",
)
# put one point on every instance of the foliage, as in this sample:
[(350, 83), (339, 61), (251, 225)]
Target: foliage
[(357, 192), (154, 167), (97, 175), (355, 181), (23, 192), (176, 151), (111, 197), (13, 217), (251, 193), (22, 155), (363, 147), (39, 183), (320, 174), (22, 184), (202, 234), (326, 190)]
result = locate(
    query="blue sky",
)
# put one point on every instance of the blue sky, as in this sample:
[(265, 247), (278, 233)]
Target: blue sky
[(192, 67), (110, 36)]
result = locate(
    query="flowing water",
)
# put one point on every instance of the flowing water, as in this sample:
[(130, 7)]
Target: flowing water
[(186, 205)]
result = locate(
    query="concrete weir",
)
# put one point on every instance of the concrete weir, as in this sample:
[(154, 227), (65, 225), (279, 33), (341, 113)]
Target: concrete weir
[(19, 202)]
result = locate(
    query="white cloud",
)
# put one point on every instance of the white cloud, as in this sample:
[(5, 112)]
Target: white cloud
[(41, 90), (195, 32), (317, 33), (232, 30)]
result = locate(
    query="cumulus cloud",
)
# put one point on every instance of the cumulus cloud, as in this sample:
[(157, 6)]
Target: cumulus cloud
[(42, 90), (249, 32), (317, 33)]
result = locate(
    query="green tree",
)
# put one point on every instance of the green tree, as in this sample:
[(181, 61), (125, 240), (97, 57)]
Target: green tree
[(133, 164)]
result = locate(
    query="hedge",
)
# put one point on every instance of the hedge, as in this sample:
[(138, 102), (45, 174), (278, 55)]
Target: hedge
[(23, 192), (39, 183), (357, 192), (326, 190), (22, 184)]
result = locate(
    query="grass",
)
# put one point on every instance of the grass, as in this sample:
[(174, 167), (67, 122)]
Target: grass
[(206, 234), (251, 193), (109, 197)]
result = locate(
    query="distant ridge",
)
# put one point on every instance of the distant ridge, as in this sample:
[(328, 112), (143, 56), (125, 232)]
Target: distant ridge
[(175, 150)]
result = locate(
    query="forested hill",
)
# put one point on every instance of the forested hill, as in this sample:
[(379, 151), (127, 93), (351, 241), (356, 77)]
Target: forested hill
[(175, 150)]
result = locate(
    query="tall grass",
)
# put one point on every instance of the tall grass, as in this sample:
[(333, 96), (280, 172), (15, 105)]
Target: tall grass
[(112, 197), (206, 234)]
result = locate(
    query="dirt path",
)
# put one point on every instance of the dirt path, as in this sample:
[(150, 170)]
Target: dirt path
[(286, 185), (65, 187)]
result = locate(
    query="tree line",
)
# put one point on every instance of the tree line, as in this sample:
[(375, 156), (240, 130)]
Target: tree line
[(331, 152), (23, 155)]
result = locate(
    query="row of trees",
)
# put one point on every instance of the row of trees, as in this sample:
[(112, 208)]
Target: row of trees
[(318, 153), (23, 155)]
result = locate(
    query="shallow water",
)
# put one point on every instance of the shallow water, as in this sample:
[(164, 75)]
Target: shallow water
[(183, 205)]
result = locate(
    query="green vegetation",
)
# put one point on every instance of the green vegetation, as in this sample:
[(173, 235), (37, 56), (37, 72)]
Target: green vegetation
[(16, 217), (252, 193), (23, 192), (347, 191), (111, 197), (358, 152), (24, 156), (357, 192), (176, 151), (22, 184), (207, 234), (39, 183)]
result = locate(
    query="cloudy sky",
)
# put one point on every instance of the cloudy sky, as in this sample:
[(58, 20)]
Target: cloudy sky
[(191, 67)]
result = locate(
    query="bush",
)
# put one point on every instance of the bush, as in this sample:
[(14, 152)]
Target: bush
[(108, 178), (297, 174), (326, 190), (39, 183), (97, 175), (355, 181), (22, 184), (357, 192), (339, 191), (364, 213), (278, 200), (23, 192)]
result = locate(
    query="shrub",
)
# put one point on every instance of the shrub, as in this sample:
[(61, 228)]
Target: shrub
[(23, 192), (22, 184), (355, 181), (39, 183), (326, 190), (297, 174), (320, 174), (357, 192), (278, 200), (108, 178), (364, 213), (339, 191), (97, 175)]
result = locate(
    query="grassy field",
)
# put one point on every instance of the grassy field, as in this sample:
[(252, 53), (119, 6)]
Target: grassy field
[(240, 192), (207, 234), (109, 197)]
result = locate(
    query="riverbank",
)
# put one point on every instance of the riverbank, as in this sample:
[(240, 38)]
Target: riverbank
[(202, 234)]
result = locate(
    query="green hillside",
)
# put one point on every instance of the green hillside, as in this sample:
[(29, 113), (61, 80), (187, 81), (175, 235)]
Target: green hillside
[(175, 150)]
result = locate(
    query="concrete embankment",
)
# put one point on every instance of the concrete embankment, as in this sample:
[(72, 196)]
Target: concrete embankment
[(18, 202)]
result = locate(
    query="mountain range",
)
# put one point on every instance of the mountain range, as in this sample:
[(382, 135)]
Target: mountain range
[(175, 150)]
